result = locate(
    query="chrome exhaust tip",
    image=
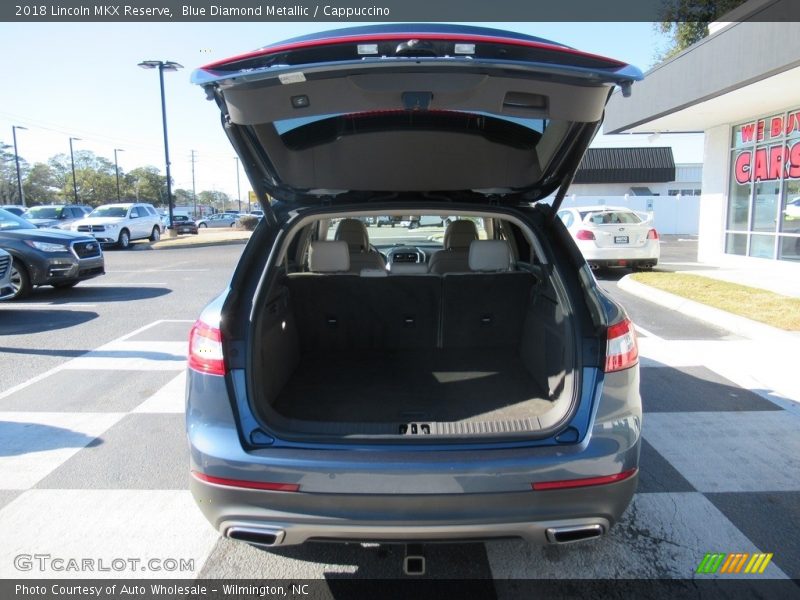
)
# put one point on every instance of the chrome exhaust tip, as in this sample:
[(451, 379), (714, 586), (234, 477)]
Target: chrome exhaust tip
[(575, 533), (257, 536)]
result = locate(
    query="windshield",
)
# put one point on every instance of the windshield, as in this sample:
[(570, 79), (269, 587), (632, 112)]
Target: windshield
[(418, 230), (11, 221), (44, 212), (109, 211)]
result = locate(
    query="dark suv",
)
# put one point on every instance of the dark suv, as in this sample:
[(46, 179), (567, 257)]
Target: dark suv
[(47, 256), (341, 389)]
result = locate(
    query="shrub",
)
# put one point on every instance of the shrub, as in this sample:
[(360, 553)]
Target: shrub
[(248, 222)]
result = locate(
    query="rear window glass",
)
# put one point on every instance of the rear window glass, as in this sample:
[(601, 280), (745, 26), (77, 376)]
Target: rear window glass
[(307, 132), (610, 217), (388, 231)]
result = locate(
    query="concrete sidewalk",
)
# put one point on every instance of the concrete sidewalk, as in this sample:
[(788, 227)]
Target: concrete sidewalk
[(765, 361), (773, 276), (206, 237)]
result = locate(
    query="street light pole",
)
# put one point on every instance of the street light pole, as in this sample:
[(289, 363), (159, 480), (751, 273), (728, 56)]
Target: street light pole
[(194, 192), (116, 170), (72, 160), (16, 159), (162, 66), (238, 188)]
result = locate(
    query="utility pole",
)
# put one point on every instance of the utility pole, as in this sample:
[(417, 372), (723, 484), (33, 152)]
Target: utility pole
[(116, 170), (194, 192), (238, 188), (72, 161), (16, 160)]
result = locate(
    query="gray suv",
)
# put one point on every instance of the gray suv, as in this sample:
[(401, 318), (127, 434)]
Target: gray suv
[(341, 389)]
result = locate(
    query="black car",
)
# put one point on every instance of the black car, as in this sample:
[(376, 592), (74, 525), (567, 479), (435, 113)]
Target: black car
[(183, 224), (47, 256)]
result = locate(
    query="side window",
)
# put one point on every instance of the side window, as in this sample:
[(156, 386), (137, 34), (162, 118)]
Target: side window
[(140, 210), (151, 210), (566, 217)]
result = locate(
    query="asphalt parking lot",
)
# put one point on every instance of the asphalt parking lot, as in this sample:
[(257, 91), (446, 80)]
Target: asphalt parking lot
[(93, 459)]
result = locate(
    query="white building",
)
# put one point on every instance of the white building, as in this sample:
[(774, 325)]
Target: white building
[(741, 87)]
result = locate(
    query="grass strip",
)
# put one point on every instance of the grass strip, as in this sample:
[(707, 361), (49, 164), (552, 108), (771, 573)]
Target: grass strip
[(760, 305)]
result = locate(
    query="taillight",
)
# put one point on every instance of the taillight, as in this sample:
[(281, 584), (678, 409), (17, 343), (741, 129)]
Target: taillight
[(622, 350), (652, 234), (205, 349), (252, 485), (585, 482), (584, 235)]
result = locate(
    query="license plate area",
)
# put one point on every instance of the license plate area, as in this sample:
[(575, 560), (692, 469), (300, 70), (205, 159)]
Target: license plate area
[(620, 239)]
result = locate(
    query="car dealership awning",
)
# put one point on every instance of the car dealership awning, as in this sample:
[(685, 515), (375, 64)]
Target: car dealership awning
[(626, 165), (742, 70)]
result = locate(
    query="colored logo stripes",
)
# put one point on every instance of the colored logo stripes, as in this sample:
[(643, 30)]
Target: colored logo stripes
[(742, 562)]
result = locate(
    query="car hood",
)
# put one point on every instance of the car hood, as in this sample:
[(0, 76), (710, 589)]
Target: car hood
[(56, 236), (50, 222), (99, 220), (421, 111)]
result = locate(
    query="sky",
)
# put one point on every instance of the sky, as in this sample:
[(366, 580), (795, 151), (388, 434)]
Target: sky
[(82, 80)]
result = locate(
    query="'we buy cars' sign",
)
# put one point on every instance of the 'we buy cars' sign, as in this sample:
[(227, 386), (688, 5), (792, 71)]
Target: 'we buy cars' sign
[(768, 162)]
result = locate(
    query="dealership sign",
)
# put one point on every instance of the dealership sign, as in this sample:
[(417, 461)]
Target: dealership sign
[(768, 163)]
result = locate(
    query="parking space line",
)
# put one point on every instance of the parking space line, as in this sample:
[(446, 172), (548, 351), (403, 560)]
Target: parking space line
[(647, 333), (64, 365), (125, 284), (158, 271), (23, 306)]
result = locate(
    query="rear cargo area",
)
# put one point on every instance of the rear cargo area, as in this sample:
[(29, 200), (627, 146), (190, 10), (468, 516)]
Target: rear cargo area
[(460, 353), (402, 386)]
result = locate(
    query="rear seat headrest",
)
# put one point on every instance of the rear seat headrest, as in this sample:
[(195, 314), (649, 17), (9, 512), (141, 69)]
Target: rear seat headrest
[(354, 232), (460, 234), (489, 255), (328, 257)]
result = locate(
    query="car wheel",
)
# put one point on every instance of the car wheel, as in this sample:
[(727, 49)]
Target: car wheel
[(20, 280), (124, 241), (202, 225), (62, 285), (156, 235), (233, 224)]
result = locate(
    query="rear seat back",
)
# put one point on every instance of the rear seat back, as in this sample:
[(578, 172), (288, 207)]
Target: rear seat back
[(343, 312), (485, 307), (335, 310)]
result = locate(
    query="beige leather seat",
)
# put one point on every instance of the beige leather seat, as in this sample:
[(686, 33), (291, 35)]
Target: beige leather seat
[(454, 258), (354, 232), (490, 256), (328, 257)]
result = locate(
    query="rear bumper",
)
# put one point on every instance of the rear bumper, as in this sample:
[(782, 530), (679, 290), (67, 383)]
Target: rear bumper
[(400, 495), (648, 253), (295, 518)]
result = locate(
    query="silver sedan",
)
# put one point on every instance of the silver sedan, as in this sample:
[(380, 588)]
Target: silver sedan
[(219, 220)]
